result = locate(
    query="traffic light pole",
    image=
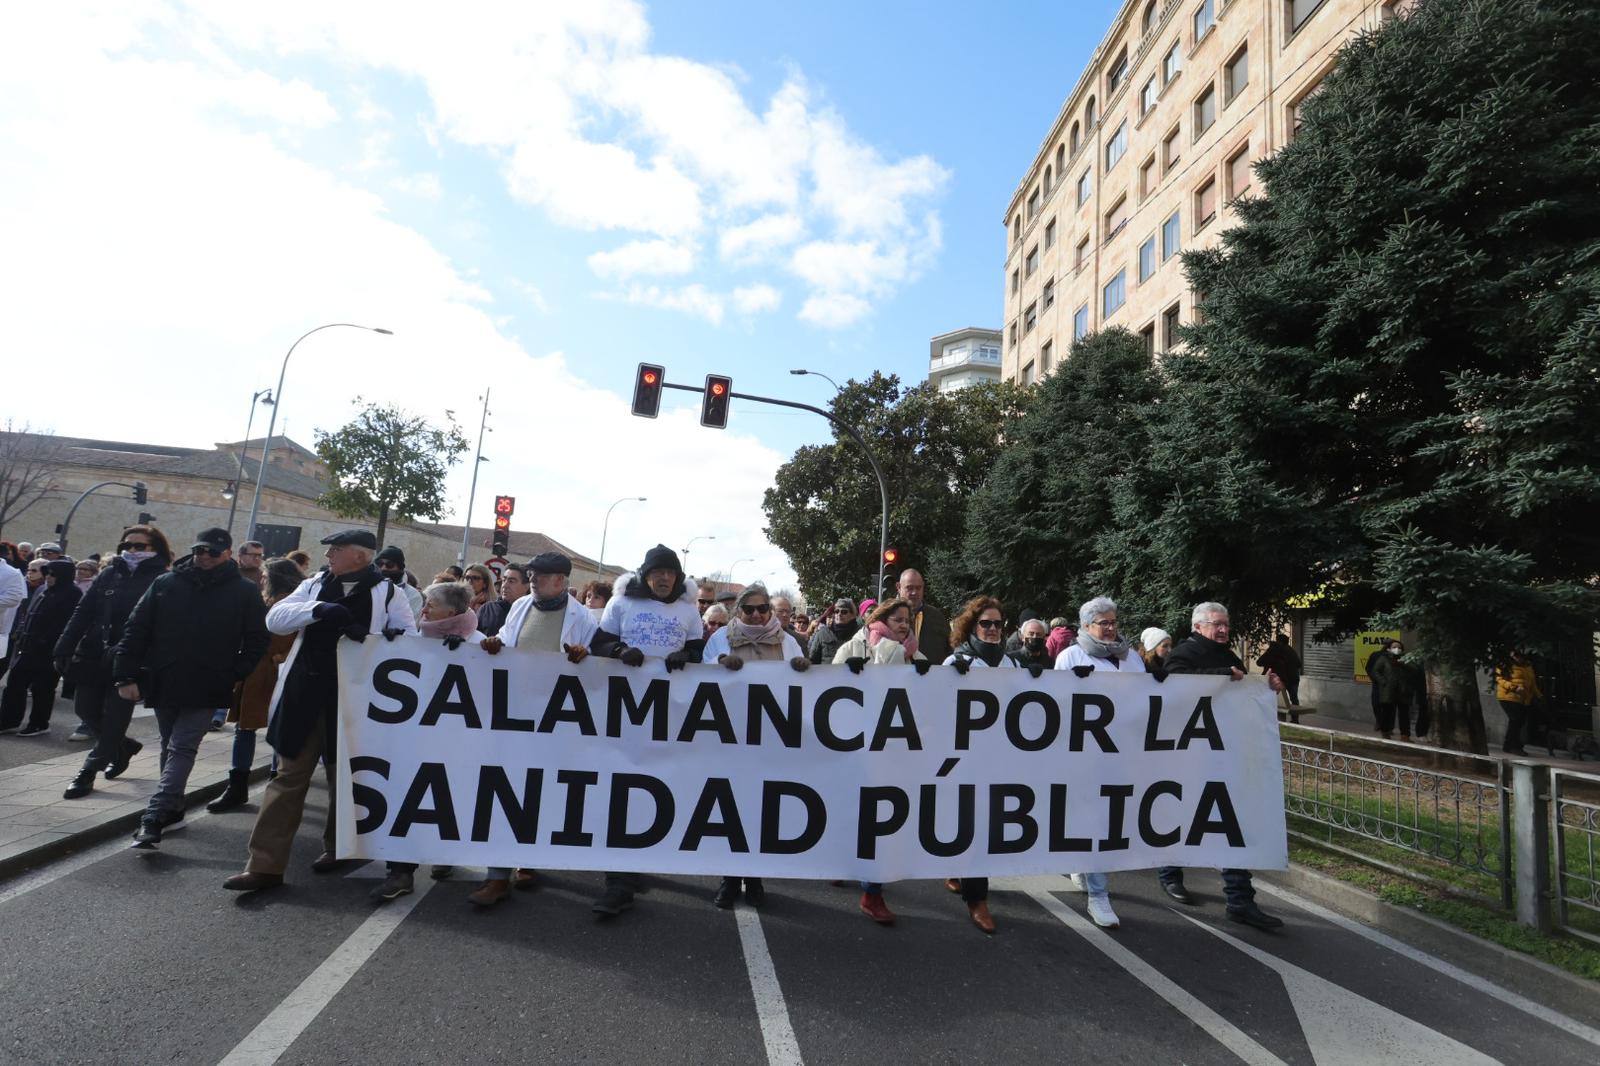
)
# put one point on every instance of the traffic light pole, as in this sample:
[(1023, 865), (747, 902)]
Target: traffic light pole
[(883, 485), (472, 493), (61, 530)]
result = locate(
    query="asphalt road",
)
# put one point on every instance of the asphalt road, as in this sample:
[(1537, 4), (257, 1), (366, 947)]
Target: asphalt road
[(116, 956)]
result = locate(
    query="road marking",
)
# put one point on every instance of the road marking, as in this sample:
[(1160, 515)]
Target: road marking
[(278, 1030), (1224, 1032), (1433, 962), (771, 1010)]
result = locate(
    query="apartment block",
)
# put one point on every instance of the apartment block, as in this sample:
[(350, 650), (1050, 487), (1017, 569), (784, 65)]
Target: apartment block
[(1144, 158), (964, 357)]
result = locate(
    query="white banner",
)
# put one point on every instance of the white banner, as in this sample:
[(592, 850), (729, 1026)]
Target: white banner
[(522, 759)]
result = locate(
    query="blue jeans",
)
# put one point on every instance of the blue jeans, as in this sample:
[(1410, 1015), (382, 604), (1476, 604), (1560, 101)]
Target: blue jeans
[(872, 887), (244, 749), (1095, 884), (181, 731), (1236, 886)]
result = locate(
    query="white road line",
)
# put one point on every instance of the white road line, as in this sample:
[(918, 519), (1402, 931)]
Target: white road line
[(1471, 980), (771, 1010), (1224, 1032), (270, 1039)]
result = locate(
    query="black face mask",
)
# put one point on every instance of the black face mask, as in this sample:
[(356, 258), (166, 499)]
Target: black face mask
[(1034, 644)]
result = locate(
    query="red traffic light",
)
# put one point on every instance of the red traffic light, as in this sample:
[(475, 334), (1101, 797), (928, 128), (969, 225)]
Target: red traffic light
[(650, 377), (718, 388), (714, 401), (647, 385), (502, 521), (891, 555), (505, 505)]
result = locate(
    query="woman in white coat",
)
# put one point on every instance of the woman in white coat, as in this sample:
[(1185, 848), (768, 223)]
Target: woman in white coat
[(1099, 647)]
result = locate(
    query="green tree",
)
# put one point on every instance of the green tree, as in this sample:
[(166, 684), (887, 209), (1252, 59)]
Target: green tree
[(388, 462), (823, 509), (1034, 528), (1390, 398)]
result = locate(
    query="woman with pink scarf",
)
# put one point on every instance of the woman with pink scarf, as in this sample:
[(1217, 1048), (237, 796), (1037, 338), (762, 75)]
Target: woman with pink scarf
[(447, 614), (887, 638)]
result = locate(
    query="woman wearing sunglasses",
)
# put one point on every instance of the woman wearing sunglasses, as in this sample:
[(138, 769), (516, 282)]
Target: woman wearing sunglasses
[(977, 634), (754, 634), (480, 579)]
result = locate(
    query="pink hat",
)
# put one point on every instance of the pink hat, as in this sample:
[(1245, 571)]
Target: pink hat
[(866, 606)]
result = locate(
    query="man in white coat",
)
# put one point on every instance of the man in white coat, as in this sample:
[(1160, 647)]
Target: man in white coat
[(13, 591), (350, 600)]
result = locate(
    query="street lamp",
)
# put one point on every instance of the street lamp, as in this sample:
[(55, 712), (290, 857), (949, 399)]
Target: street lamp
[(266, 445), (820, 374), (736, 562), (686, 547), (600, 570), (231, 493), (472, 493)]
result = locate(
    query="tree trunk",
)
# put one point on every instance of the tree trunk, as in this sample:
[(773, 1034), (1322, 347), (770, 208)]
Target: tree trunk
[(383, 522), (1457, 710)]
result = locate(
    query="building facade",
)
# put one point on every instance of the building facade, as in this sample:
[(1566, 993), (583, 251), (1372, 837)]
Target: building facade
[(1154, 141), (964, 357)]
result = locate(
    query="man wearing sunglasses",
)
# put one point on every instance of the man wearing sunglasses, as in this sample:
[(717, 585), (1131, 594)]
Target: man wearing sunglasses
[(198, 631)]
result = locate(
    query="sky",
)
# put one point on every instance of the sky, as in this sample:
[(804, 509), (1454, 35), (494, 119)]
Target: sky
[(534, 197)]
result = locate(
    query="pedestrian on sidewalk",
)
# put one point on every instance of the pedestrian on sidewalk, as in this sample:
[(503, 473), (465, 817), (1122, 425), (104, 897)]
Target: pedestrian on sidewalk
[(1516, 687), (252, 697), (196, 633), (33, 669), (1281, 658), (350, 599), (1396, 683), (1206, 650), (95, 628)]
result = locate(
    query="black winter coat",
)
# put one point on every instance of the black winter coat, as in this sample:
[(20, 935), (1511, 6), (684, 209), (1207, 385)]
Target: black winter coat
[(192, 636), (49, 611), (826, 641), (1197, 655), (96, 625)]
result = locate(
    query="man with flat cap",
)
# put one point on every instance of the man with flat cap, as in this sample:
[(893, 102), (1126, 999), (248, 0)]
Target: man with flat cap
[(348, 600), (194, 634), (548, 620)]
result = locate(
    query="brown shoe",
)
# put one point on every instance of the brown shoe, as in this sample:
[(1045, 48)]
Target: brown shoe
[(524, 880), (953, 884), (981, 916), (250, 881), (490, 892)]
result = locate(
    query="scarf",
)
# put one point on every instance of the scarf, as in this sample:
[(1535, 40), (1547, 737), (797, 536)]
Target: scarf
[(133, 559), (877, 631), (457, 625), (554, 603), (1100, 649), (771, 632), (973, 648)]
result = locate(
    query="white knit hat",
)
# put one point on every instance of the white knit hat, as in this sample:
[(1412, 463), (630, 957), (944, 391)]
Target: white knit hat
[(1152, 638)]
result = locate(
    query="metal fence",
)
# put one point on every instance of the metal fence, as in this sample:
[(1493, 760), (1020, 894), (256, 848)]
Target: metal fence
[(1340, 790), (1575, 836)]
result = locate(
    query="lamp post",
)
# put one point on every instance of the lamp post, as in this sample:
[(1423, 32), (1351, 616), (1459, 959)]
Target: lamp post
[(819, 374), (266, 445), (472, 493), (264, 396), (686, 547), (736, 562), (600, 569)]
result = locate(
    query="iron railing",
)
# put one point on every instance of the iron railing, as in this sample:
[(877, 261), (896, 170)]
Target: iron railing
[(1575, 838)]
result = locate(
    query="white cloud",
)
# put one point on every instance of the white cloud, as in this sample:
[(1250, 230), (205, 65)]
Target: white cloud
[(694, 299), (834, 310), (643, 257), (753, 299), (424, 186), (754, 241), (532, 293)]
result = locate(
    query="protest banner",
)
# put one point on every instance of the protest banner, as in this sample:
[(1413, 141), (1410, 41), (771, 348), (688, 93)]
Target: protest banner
[(523, 759)]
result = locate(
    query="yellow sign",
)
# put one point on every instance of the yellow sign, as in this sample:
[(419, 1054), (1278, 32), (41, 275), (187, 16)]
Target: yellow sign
[(1368, 642)]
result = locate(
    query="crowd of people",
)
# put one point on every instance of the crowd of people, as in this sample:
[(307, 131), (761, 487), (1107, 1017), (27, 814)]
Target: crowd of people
[(226, 634)]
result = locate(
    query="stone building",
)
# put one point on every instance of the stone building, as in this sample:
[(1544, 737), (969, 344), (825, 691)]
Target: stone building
[(1143, 159)]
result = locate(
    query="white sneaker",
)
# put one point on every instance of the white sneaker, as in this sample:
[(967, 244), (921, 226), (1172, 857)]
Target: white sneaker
[(1077, 882), (1100, 912), (78, 735)]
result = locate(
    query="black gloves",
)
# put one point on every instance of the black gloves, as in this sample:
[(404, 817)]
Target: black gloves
[(800, 664), (960, 665), (336, 615), (1036, 670), (921, 666), (676, 660), (62, 666), (390, 634), (1083, 671), (355, 630), (731, 662), (454, 641), (631, 657), (855, 663), (1158, 672)]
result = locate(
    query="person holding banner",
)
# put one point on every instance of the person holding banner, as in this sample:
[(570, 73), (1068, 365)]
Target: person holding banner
[(976, 633), (350, 599), (1206, 650), (886, 639), (546, 620), (653, 615), (755, 634)]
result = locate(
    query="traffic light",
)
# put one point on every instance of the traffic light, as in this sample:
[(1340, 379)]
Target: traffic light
[(891, 557), (647, 390), (141, 493), (505, 505), (714, 404), (502, 535)]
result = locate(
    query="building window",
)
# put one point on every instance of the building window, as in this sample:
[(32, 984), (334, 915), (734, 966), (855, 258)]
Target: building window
[(1205, 204), (1117, 218), (1080, 255), (1205, 16), (1013, 334), (1032, 264), (1033, 204), (1117, 74), (1172, 63), (1299, 11), (1149, 335), (1049, 234), (1147, 260), (1205, 111), (1296, 109), (1169, 328), (1048, 182), (1027, 373), (1045, 351), (1016, 281), (1239, 173), (1236, 75), (1117, 146), (1147, 96), (1088, 116), (1171, 150), (1080, 323), (1171, 235), (1061, 158), (1016, 230), (1085, 186), (1148, 21), (1030, 318), (1074, 138), (1049, 294), (1147, 177), (1114, 295)]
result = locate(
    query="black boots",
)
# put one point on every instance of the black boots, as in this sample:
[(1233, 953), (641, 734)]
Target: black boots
[(237, 794), (83, 784)]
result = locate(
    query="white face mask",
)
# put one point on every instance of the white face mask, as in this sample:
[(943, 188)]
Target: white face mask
[(135, 558), (1394, 651)]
